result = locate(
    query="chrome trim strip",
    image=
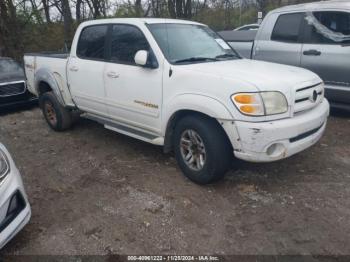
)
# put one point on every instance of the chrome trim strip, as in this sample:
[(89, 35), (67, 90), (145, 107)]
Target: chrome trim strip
[(308, 87), (12, 82), (15, 82)]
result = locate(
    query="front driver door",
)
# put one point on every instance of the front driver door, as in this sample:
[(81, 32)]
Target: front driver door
[(133, 93), (281, 44), (328, 58)]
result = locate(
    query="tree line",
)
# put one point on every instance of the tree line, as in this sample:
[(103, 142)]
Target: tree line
[(47, 25)]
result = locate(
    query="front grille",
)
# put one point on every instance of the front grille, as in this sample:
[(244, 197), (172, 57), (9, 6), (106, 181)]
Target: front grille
[(11, 89), (305, 97)]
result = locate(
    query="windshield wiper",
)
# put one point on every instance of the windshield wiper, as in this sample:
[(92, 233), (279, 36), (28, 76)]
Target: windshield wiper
[(226, 56), (195, 59)]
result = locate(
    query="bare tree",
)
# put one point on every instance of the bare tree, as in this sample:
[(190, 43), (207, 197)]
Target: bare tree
[(156, 7), (67, 21), (180, 8), (46, 7), (78, 10), (262, 5), (98, 8), (138, 8), (10, 29)]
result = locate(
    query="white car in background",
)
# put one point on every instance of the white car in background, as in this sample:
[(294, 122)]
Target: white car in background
[(14, 206), (249, 27)]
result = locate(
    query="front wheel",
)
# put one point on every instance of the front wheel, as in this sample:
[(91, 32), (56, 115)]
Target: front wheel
[(202, 149)]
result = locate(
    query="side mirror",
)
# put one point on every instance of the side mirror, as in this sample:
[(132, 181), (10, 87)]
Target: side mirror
[(141, 57)]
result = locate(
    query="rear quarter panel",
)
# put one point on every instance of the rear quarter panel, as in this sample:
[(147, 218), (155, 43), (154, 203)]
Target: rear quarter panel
[(51, 70), (29, 69)]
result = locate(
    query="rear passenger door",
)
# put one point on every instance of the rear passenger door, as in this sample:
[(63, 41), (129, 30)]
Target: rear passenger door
[(283, 43), (86, 69), (326, 54)]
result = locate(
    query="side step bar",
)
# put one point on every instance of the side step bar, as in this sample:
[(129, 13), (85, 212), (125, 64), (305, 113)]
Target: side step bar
[(126, 130)]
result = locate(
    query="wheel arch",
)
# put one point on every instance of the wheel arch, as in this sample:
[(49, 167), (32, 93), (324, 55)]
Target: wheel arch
[(45, 82), (43, 87), (192, 105)]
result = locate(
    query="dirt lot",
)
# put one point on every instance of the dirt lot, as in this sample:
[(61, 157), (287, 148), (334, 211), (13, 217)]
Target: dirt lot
[(93, 191)]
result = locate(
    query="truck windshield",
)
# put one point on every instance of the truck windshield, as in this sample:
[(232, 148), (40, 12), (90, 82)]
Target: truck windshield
[(190, 43)]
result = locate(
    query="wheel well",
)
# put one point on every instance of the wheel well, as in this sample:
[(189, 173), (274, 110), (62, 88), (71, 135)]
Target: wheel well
[(44, 87), (168, 141)]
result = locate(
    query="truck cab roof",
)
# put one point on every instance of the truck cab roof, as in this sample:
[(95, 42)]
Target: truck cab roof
[(336, 4), (139, 20)]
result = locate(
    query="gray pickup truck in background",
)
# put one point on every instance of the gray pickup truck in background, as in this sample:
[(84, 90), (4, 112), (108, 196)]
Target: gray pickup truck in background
[(315, 36)]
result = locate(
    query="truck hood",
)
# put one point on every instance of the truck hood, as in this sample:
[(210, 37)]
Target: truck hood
[(264, 76)]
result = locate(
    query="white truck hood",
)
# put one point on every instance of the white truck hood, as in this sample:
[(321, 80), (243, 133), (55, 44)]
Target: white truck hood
[(264, 76)]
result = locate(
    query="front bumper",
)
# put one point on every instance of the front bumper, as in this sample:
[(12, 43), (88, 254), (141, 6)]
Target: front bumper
[(275, 140), (10, 186)]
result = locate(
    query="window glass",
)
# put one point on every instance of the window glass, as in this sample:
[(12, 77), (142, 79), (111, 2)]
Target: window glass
[(190, 43), (8, 66), (336, 22), (287, 28), (92, 42), (126, 41), (10, 69)]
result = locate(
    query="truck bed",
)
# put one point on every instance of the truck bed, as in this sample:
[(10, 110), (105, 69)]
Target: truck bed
[(49, 54), (241, 41), (238, 36), (39, 64)]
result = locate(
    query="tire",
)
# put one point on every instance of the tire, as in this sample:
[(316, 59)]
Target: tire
[(58, 117), (192, 134)]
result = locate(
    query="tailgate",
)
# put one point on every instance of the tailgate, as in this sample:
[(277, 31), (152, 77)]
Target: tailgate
[(29, 68)]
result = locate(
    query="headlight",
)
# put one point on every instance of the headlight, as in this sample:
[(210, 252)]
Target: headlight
[(260, 104), (4, 165), (274, 102)]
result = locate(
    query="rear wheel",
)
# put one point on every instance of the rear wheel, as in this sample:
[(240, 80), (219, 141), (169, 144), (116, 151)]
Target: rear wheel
[(57, 116), (202, 149)]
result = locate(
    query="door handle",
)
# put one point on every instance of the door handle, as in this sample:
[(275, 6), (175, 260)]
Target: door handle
[(112, 75), (74, 68), (312, 52)]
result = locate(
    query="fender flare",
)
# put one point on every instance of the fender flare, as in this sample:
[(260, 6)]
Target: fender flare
[(198, 103), (195, 103), (45, 75)]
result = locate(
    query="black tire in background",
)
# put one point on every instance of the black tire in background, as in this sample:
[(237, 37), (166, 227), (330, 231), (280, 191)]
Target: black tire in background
[(58, 117), (218, 149)]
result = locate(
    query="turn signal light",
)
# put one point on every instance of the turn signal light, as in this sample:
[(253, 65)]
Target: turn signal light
[(244, 99), (248, 109)]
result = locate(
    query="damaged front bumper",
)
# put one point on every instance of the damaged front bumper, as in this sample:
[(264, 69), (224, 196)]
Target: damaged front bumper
[(275, 140)]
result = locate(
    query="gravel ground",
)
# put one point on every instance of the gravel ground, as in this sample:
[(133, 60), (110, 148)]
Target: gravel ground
[(93, 191)]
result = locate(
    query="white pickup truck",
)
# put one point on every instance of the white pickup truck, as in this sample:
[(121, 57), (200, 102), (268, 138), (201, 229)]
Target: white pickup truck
[(179, 85)]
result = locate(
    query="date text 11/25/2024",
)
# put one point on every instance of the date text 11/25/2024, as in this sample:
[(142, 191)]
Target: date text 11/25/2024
[(173, 258)]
